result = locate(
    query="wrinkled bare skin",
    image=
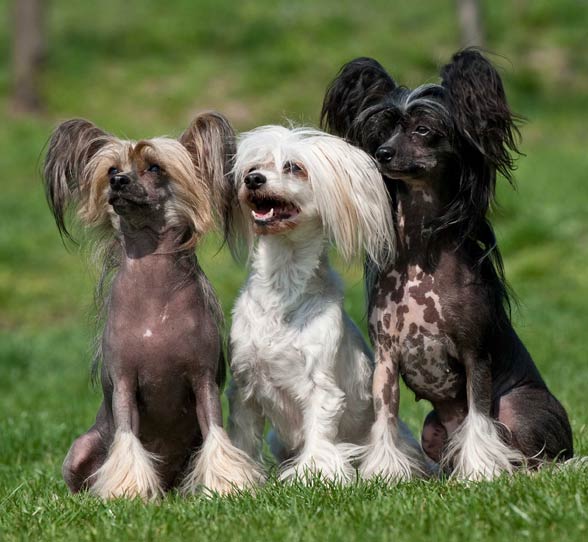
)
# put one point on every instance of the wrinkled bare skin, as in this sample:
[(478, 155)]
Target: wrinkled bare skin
[(161, 353)]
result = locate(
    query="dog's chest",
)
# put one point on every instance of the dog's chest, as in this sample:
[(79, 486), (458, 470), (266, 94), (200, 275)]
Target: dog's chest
[(407, 322), (267, 360)]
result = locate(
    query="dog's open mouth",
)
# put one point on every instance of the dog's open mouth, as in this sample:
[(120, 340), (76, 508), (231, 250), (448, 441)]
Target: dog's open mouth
[(267, 209)]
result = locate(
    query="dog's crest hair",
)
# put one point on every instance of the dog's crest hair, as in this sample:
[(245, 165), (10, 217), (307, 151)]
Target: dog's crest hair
[(347, 187), (80, 154)]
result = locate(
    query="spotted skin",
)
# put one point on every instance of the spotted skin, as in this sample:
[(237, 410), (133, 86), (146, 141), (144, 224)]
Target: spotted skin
[(407, 320)]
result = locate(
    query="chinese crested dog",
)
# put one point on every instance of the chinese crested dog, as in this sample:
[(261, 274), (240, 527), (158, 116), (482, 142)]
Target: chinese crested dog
[(160, 423), (440, 314), (297, 358)]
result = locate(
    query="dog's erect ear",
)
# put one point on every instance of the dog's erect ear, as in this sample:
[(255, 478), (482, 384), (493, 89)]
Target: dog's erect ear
[(210, 139), (480, 110), (71, 147), (358, 85)]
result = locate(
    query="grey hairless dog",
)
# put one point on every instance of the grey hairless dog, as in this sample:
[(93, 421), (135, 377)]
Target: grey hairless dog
[(160, 423)]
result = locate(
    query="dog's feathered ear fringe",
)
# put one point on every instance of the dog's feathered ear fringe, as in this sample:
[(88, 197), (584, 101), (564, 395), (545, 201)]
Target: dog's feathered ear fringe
[(485, 134), (358, 85), (210, 140), (479, 109), (71, 147), (351, 198)]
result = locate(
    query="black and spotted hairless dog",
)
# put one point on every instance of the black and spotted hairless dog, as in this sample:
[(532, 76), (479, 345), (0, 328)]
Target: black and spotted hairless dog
[(160, 423), (440, 315)]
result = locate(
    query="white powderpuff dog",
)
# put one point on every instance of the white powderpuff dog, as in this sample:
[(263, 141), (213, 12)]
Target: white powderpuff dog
[(297, 358)]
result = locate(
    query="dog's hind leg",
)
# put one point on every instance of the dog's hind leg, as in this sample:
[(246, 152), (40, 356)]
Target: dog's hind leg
[(537, 424), (129, 470), (86, 455), (475, 450), (389, 452), (219, 466)]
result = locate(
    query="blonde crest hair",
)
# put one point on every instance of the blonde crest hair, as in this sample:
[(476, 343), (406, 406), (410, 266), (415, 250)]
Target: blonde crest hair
[(80, 154)]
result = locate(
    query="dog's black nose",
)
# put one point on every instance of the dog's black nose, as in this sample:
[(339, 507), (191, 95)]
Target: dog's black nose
[(254, 180), (118, 182), (384, 154)]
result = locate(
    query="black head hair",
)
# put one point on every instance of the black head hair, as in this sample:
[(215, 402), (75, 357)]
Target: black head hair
[(361, 83)]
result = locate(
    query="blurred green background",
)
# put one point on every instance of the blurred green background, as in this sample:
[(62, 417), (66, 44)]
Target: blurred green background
[(144, 68)]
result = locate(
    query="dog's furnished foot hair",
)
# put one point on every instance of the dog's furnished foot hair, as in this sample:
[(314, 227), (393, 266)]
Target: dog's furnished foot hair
[(330, 461), (476, 452), (220, 467), (129, 470), (395, 456)]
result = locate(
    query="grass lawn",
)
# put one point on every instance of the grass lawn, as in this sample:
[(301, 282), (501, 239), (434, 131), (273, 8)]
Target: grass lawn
[(143, 70)]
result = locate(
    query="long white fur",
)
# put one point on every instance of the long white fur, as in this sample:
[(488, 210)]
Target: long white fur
[(129, 470), (348, 192), (393, 455), (297, 358), (220, 467), (476, 451)]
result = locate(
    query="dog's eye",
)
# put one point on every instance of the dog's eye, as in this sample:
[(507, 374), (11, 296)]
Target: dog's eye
[(112, 171), (292, 167), (154, 168), (421, 130)]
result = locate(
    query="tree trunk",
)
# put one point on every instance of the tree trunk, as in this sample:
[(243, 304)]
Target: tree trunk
[(28, 54), (470, 23)]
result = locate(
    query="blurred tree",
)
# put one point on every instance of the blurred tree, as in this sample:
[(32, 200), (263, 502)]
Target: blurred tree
[(28, 53), (470, 23)]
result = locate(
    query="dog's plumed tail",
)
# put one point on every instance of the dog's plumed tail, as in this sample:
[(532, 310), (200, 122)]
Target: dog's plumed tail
[(129, 470), (220, 467)]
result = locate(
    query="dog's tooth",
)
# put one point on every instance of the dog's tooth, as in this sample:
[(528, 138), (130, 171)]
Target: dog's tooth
[(270, 214)]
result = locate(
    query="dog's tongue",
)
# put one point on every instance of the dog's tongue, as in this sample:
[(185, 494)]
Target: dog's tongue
[(263, 215)]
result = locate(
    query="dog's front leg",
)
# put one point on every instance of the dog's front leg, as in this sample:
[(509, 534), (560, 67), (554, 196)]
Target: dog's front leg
[(218, 466), (246, 422), (475, 450), (321, 454), (391, 451), (129, 469)]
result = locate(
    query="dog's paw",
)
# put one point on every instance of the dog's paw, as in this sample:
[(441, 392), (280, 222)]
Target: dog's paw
[(329, 462), (220, 467), (392, 459), (128, 471), (476, 452)]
